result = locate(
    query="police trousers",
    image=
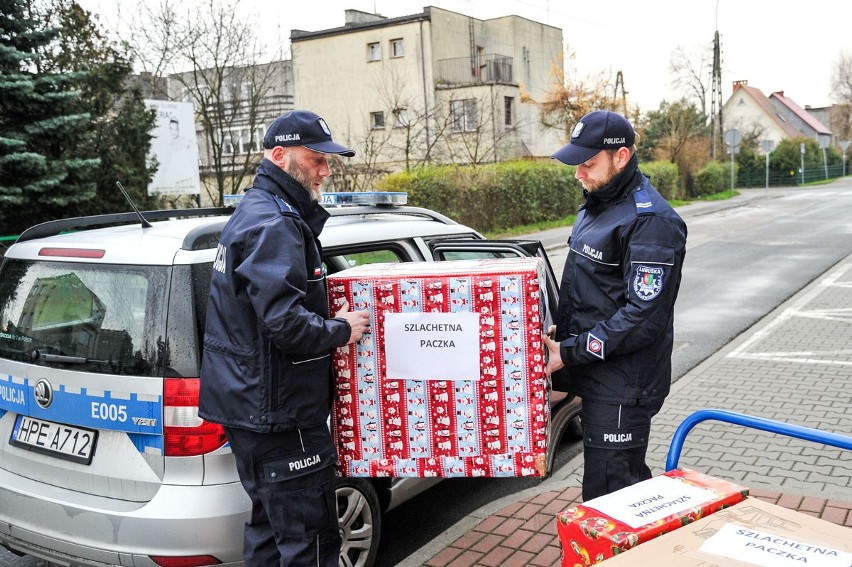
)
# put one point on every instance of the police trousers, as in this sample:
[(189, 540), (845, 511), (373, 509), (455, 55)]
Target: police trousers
[(290, 478), (615, 441)]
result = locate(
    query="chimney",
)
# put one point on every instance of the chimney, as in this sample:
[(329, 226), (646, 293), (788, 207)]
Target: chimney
[(354, 17)]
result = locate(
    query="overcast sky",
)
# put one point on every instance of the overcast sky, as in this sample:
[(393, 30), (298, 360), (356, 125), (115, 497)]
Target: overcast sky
[(777, 45)]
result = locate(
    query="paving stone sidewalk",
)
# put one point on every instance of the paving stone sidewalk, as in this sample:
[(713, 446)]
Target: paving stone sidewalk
[(794, 366)]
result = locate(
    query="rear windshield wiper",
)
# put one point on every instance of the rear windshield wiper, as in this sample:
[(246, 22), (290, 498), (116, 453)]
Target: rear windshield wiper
[(47, 357)]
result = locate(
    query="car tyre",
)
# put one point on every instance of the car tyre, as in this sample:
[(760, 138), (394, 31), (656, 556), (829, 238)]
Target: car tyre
[(360, 521)]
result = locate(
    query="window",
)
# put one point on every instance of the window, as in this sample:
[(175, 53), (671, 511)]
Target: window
[(396, 48), (377, 120), (342, 259), (464, 115), (508, 110), (111, 317), (240, 141), (374, 51), (400, 118)]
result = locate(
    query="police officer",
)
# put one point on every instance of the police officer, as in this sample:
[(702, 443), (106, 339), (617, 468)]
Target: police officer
[(614, 327), (266, 370)]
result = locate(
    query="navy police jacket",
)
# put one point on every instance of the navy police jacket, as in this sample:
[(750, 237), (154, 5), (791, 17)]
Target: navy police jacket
[(267, 347), (617, 296)]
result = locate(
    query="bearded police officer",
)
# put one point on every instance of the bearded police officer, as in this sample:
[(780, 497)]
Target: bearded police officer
[(266, 370), (614, 327)]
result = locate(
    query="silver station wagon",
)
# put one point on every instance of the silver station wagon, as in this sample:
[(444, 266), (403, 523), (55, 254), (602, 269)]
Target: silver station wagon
[(103, 458)]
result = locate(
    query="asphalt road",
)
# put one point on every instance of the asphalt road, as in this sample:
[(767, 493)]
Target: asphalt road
[(744, 258)]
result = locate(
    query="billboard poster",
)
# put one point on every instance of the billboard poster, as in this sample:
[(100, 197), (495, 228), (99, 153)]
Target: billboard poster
[(176, 148)]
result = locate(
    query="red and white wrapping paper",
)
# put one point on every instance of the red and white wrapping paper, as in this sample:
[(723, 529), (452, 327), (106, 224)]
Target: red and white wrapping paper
[(495, 424)]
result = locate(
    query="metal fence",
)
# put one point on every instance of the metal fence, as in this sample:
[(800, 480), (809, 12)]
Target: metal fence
[(788, 178), (466, 70)]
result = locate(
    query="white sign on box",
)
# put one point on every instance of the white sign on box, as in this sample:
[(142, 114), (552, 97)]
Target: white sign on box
[(771, 550), (650, 500), (432, 346)]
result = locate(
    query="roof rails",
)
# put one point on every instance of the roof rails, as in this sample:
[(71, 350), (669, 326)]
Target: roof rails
[(54, 227)]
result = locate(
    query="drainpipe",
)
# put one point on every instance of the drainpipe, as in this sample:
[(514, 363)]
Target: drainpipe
[(426, 112)]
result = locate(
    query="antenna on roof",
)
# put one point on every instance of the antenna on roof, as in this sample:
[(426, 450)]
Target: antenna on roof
[(145, 223)]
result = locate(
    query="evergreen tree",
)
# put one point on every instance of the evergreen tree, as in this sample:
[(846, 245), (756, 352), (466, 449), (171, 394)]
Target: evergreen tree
[(120, 124), (46, 164)]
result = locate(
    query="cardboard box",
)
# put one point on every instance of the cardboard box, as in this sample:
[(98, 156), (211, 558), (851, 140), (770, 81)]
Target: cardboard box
[(450, 381), (609, 525), (750, 533)]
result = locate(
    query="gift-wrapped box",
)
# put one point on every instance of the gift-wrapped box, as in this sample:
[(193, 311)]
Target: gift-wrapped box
[(449, 381), (749, 533), (606, 526)]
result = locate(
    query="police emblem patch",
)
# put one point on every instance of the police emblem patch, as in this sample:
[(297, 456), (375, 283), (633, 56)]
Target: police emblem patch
[(595, 346), (324, 127), (577, 129), (648, 282)]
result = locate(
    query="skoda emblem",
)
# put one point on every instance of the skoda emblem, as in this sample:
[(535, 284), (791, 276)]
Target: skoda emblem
[(43, 393)]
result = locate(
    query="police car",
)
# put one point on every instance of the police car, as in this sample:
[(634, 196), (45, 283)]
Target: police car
[(103, 459)]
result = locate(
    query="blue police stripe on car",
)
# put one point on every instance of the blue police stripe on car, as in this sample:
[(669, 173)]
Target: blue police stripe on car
[(137, 414)]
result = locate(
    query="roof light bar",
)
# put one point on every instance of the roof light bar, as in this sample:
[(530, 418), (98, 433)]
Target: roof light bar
[(233, 200), (371, 198), (374, 198)]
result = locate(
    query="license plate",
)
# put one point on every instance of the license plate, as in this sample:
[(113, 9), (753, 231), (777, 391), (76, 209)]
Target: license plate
[(64, 441)]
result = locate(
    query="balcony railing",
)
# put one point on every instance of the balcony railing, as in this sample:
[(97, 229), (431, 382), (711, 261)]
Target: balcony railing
[(466, 70)]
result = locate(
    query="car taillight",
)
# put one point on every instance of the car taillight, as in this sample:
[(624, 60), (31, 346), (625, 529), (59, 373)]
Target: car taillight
[(186, 434), (191, 561)]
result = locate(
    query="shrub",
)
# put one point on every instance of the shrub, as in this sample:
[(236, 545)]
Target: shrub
[(715, 177), (494, 196), (664, 176)]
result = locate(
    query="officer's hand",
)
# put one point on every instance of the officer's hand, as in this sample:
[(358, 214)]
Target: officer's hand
[(554, 359), (359, 321)]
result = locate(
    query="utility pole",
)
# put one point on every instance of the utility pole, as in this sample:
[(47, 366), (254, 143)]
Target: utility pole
[(619, 82), (716, 95)]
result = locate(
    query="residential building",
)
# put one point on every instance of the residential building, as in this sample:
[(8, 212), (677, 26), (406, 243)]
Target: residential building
[(233, 108), (776, 117), (436, 87)]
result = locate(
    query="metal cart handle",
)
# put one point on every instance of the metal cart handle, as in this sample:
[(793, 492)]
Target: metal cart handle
[(807, 433)]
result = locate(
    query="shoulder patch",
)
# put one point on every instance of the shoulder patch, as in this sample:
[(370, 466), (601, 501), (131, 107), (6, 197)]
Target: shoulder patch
[(285, 207), (644, 206), (648, 282), (595, 346)]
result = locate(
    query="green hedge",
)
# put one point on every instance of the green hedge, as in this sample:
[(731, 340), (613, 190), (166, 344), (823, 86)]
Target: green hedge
[(715, 177), (665, 176), (507, 194), (494, 196)]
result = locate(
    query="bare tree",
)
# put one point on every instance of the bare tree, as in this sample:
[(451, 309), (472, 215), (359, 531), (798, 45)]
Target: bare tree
[(841, 88), (571, 97), (692, 73), (215, 59), (359, 173), (474, 132)]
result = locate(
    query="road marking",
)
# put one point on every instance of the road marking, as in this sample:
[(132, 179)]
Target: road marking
[(797, 310)]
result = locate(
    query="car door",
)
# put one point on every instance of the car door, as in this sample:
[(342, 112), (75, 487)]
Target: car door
[(443, 250)]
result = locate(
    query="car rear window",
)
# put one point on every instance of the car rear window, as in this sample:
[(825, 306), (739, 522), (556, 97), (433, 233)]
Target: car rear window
[(88, 317)]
